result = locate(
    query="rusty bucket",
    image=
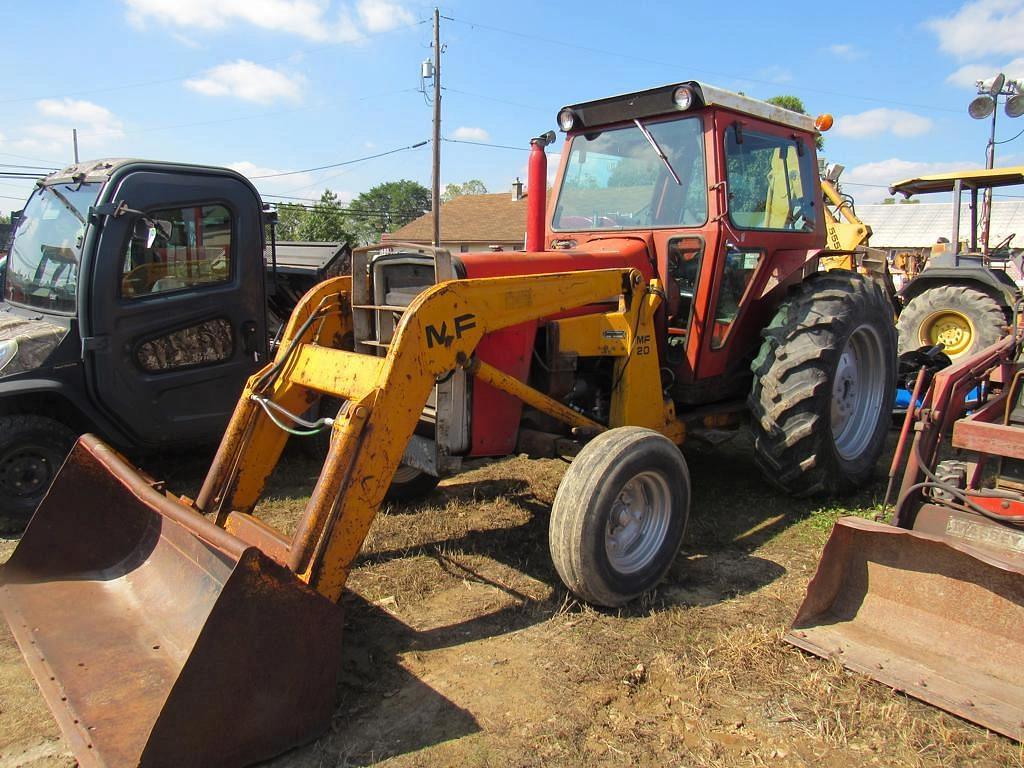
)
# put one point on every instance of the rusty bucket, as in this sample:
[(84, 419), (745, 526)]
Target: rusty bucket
[(157, 638), (926, 614)]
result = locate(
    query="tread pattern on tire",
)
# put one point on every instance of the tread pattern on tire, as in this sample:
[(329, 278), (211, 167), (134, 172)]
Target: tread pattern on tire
[(570, 510), (984, 312), (790, 401)]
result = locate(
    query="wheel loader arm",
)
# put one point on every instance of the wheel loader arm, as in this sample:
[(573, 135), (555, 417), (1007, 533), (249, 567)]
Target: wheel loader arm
[(383, 399), (844, 230)]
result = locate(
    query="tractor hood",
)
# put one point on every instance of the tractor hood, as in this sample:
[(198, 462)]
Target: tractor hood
[(598, 253), (26, 342)]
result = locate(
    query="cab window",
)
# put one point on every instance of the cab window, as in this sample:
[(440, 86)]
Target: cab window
[(178, 249), (770, 181), (614, 179)]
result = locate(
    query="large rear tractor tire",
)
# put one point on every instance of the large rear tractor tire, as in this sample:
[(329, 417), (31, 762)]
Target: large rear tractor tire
[(964, 320), (619, 515), (32, 450), (824, 383)]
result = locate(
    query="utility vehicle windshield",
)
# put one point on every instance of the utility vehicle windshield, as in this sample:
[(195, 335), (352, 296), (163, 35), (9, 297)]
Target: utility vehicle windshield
[(616, 179), (42, 268)]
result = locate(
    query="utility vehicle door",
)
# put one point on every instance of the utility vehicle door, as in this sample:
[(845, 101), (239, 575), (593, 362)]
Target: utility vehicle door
[(175, 312)]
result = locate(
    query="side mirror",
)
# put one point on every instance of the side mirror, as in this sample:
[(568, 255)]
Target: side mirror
[(145, 231)]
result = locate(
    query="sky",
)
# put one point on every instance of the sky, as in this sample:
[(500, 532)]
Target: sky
[(274, 86)]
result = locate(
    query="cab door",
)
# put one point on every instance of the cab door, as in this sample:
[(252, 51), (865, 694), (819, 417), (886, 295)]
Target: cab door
[(176, 313)]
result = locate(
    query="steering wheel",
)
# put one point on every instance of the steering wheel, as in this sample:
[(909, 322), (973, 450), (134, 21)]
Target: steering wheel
[(801, 215), (1005, 242)]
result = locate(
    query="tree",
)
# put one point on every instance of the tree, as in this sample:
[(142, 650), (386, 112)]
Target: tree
[(794, 104), (471, 187), (386, 207), (327, 221), (289, 220)]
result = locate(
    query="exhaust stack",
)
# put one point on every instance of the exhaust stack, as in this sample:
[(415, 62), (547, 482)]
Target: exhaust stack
[(537, 192)]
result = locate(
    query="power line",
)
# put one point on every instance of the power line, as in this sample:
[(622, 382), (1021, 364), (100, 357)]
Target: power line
[(34, 159), (28, 167), (339, 165), (485, 144), (675, 66), (499, 101)]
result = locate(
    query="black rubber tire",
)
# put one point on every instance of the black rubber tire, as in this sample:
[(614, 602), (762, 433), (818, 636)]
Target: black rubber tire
[(32, 450), (586, 498), (794, 374), (984, 313), (407, 487)]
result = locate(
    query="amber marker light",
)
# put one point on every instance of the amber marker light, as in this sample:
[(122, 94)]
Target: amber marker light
[(823, 122)]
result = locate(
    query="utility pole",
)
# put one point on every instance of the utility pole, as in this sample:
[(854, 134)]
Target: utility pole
[(435, 184), (74, 139)]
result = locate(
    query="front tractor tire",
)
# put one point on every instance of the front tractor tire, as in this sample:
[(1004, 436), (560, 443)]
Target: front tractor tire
[(619, 515), (824, 383), (963, 319), (410, 484)]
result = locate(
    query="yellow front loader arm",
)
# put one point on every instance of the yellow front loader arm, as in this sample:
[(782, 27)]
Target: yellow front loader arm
[(383, 398), (149, 626)]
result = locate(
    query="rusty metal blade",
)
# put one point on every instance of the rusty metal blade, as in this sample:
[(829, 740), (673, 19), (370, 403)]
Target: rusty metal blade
[(156, 637), (924, 614)]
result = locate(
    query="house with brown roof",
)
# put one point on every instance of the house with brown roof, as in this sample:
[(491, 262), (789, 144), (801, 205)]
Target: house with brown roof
[(472, 223)]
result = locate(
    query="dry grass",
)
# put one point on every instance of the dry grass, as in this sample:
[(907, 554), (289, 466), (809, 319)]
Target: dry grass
[(464, 649)]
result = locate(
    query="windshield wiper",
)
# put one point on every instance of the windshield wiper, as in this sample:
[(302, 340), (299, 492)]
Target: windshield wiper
[(65, 201), (657, 150)]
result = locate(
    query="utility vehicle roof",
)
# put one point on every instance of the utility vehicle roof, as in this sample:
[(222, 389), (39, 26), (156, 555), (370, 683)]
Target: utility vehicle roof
[(944, 182)]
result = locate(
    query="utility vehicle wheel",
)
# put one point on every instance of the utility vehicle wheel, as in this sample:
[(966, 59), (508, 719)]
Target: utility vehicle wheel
[(824, 383), (964, 320), (619, 515), (32, 449), (410, 484)]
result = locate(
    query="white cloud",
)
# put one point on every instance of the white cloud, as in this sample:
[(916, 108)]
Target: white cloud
[(319, 20), (846, 51), (967, 76), (382, 16), (88, 117), (254, 171), (875, 122), (96, 126), (879, 175), (471, 134), (249, 82), (992, 26)]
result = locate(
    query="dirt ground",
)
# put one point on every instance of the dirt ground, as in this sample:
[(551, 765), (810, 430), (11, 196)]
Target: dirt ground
[(463, 648)]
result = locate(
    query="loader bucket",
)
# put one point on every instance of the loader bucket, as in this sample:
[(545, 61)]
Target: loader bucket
[(157, 638), (925, 614)]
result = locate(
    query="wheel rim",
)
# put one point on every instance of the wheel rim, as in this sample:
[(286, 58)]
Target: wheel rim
[(25, 472), (638, 523), (405, 474), (857, 392), (952, 329)]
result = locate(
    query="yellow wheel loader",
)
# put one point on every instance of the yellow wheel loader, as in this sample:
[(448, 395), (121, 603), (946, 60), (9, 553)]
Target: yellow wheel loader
[(670, 293)]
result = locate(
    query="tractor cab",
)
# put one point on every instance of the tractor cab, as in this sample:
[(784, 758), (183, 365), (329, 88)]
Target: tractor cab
[(724, 191)]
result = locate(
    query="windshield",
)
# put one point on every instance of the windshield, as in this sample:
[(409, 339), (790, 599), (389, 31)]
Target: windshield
[(616, 179), (42, 268)]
